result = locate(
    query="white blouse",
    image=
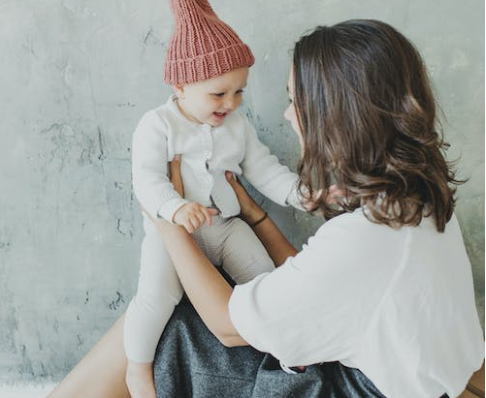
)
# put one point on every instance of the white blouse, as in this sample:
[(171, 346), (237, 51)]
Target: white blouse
[(207, 152), (396, 304)]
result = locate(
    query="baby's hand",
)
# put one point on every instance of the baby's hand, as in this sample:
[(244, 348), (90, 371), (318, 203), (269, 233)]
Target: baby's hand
[(193, 215), (334, 195)]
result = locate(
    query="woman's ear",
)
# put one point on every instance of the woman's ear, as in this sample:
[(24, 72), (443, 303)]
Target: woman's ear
[(179, 91)]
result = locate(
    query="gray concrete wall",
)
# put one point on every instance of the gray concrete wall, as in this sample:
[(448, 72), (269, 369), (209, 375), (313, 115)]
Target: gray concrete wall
[(76, 76)]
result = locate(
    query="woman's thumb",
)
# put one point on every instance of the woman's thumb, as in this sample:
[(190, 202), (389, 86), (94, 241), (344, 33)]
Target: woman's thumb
[(229, 176)]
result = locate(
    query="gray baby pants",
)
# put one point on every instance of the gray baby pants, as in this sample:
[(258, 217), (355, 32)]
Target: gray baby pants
[(229, 242)]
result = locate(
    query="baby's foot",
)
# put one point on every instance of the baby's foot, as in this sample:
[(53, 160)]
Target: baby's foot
[(140, 380)]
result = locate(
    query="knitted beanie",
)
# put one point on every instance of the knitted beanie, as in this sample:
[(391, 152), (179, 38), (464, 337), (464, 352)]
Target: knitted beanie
[(202, 46)]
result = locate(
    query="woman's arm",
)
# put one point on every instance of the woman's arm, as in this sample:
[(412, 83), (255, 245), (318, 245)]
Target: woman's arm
[(277, 245)]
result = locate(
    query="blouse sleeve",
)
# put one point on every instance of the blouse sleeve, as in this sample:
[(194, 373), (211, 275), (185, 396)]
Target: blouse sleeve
[(309, 309)]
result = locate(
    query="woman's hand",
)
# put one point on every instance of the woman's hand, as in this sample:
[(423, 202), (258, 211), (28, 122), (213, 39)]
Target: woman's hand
[(192, 215), (251, 212), (175, 175), (176, 180)]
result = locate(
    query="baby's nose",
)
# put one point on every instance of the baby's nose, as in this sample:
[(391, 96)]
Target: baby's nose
[(230, 103)]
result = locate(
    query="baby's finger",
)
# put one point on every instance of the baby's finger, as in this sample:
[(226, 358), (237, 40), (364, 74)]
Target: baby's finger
[(208, 213), (188, 226), (200, 216), (334, 194), (213, 211), (195, 223)]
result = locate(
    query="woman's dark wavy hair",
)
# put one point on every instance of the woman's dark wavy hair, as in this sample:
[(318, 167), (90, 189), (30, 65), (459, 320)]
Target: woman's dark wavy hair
[(368, 121)]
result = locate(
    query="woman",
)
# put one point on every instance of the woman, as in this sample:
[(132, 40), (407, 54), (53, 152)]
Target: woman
[(380, 302)]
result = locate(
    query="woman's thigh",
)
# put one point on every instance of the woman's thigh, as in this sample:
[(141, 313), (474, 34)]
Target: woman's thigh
[(191, 363)]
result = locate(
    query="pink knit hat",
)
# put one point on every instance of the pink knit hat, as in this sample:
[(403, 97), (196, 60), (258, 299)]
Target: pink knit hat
[(202, 46)]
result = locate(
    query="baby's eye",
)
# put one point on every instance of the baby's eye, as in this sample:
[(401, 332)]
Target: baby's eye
[(239, 92), (219, 94)]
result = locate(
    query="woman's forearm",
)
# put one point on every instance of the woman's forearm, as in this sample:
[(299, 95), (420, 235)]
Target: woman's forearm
[(277, 245), (207, 290)]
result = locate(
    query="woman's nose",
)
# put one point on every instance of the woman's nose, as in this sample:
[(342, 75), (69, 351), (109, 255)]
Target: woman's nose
[(287, 113)]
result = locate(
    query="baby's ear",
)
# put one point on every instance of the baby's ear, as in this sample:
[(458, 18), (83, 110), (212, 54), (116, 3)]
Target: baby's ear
[(179, 90)]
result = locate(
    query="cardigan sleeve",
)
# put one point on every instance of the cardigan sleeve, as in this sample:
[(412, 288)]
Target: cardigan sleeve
[(151, 184), (264, 171)]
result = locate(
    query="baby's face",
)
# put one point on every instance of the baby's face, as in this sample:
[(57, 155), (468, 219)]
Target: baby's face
[(210, 101)]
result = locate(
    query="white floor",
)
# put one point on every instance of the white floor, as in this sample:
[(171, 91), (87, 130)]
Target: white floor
[(25, 392)]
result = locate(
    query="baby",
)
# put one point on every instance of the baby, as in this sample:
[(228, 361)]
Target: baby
[(207, 65)]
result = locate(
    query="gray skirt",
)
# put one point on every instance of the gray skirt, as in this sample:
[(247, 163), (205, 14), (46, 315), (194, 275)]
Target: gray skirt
[(191, 363)]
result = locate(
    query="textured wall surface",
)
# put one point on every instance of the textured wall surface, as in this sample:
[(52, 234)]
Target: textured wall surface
[(76, 76)]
